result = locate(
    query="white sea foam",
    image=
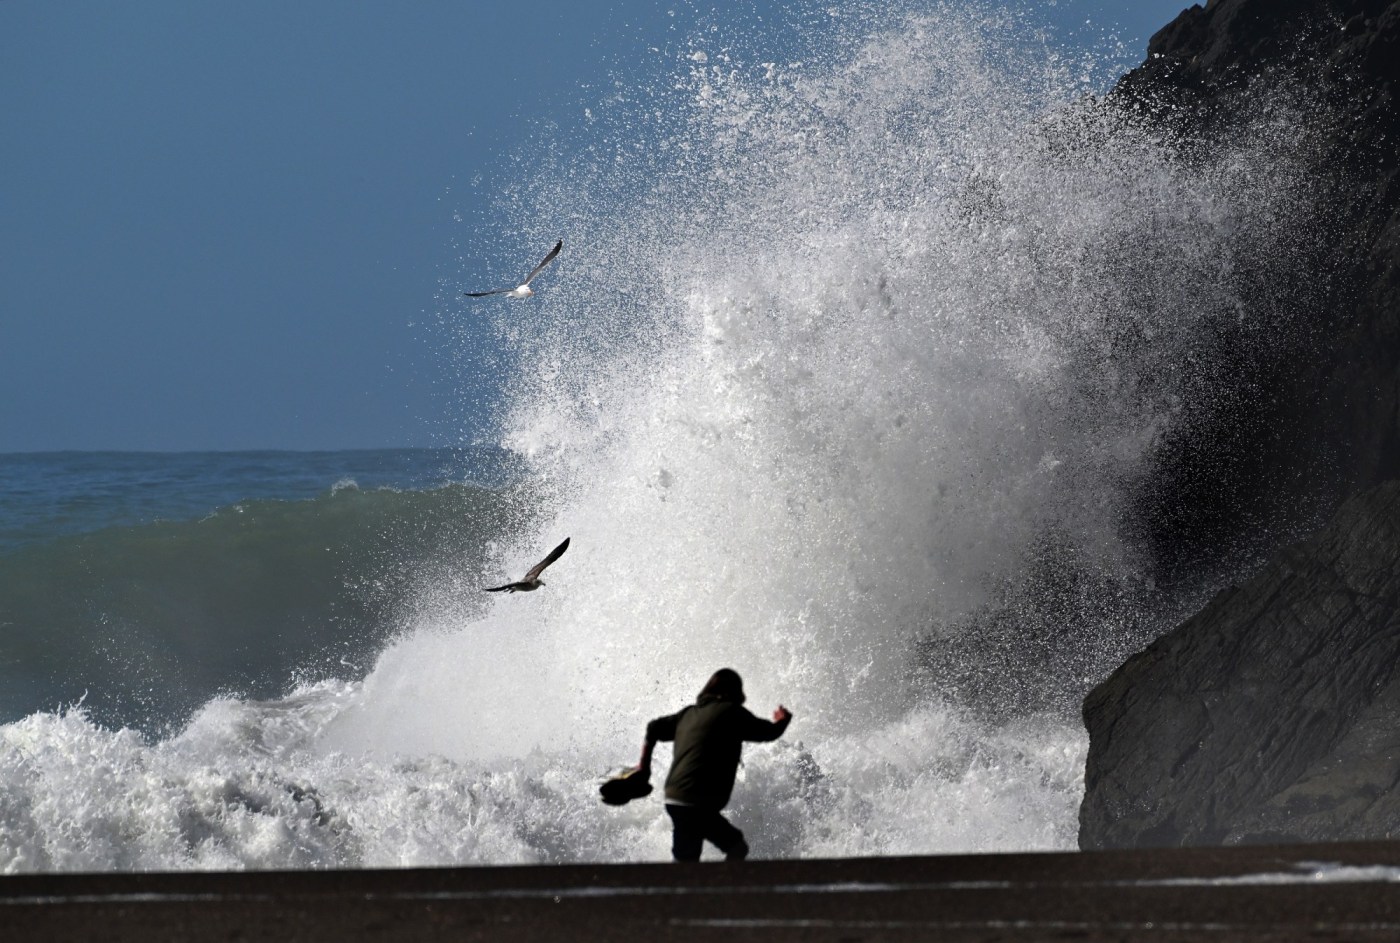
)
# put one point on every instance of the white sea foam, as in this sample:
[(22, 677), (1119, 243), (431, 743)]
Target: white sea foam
[(818, 370), (249, 785)]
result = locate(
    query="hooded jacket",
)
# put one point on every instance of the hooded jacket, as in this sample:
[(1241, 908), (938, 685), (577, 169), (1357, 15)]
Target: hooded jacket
[(709, 736)]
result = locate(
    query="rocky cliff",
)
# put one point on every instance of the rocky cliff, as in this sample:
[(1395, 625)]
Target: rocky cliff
[(1321, 421), (1270, 716)]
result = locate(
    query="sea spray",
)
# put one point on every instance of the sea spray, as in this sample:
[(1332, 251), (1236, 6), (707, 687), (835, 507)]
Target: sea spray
[(835, 350), (888, 324)]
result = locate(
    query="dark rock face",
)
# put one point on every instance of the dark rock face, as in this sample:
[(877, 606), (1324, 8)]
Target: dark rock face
[(1269, 716), (1274, 714), (1321, 421)]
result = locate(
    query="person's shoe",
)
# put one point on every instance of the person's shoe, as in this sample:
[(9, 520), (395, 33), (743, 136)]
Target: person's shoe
[(738, 853)]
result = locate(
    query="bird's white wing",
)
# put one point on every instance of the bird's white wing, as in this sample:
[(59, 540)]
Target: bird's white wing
[(483, 294)]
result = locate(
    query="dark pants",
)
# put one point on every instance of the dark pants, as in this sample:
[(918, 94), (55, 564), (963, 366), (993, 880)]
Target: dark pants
[(693, 826)]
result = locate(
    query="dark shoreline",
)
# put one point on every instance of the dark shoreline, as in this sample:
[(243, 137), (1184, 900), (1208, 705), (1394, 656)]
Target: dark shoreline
[(1114, 895)]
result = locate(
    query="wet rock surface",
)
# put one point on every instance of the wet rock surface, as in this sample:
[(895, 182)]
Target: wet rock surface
[(1273, 714), (1314, 420)]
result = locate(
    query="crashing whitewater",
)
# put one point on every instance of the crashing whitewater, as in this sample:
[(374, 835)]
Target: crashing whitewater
[(834, 350)]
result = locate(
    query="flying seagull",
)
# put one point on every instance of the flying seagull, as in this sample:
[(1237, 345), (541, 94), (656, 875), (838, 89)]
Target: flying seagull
[(532, 579), (523, 289)]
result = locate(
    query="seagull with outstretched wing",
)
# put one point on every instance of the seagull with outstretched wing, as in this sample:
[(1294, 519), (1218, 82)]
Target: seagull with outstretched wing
[(523, 290), (531, 580)]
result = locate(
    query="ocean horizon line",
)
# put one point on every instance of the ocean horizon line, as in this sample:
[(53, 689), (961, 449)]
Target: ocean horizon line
[(249, 451)]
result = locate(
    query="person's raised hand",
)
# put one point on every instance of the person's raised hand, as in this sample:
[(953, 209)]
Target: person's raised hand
[(781, 714)]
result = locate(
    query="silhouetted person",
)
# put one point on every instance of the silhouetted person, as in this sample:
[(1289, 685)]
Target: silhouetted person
[(709, 736)]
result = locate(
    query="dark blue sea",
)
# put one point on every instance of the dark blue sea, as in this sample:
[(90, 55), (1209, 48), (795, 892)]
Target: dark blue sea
[(141, 584)]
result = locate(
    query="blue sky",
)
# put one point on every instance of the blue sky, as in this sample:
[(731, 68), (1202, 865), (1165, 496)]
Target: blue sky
[(228, 225)]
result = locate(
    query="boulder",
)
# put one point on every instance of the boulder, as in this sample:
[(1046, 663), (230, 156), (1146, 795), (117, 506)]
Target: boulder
[(1273, 715)]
